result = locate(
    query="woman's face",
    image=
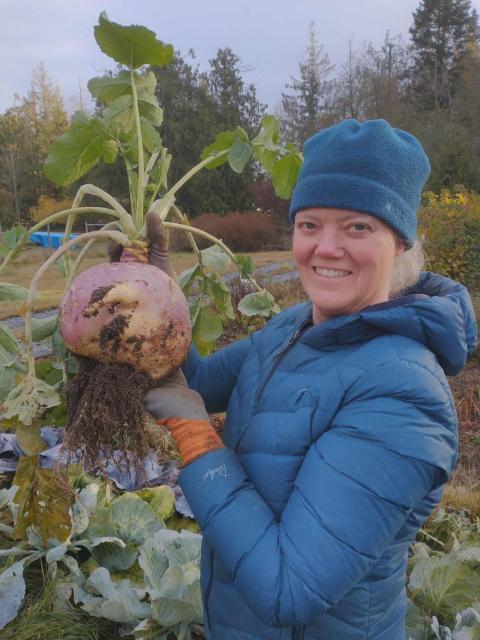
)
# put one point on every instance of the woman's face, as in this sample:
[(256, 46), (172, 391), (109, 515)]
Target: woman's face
[(344, 260)]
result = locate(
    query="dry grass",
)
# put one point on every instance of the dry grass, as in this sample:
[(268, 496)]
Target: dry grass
[(23, 268)]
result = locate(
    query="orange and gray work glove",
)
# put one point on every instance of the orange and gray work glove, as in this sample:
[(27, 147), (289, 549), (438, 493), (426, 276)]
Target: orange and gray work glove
[(183, 412), (158, 252)]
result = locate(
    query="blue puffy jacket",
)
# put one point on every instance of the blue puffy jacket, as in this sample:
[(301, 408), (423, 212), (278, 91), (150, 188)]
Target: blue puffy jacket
[(339, 439)]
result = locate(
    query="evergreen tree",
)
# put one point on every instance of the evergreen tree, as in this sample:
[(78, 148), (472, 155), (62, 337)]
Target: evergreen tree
[(306, 109), (440, 34), (197, 106)]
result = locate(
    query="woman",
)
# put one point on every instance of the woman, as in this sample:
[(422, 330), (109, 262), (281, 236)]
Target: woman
[(341, 429)]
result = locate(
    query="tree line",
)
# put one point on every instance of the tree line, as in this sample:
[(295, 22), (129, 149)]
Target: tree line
[(428, 85)]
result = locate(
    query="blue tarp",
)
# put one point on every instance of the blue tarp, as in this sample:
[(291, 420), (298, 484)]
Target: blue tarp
[(51, 239)]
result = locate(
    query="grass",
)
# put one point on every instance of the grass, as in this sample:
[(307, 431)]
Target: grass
[(40, 619), (23, 268)]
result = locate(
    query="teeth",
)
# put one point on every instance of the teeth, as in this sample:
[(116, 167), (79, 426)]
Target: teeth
[(331, 273)]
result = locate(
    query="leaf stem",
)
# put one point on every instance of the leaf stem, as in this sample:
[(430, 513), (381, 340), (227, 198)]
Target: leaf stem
[(92, 190), (84, 251), (138, 213), (117, 236), (198, 167), (54, 218), (208, 236)]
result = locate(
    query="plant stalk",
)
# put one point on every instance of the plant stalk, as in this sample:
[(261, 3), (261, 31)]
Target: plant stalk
[(138, 213)]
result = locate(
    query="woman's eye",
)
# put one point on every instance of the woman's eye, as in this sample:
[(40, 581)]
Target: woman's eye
[(306, 225), (359, 226)]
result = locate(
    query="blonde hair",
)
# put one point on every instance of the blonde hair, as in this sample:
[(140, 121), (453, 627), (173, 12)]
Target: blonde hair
[(406, 268)]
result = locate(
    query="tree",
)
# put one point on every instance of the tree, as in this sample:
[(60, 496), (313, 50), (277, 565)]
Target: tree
[(197, 107), (12, 141), (305, 109), (440, 34)]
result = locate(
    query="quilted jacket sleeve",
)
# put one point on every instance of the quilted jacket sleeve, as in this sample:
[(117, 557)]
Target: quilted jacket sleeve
[(215, 376), (392, 441)]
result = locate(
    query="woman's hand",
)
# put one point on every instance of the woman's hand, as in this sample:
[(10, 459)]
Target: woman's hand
[(158, 252), (183, 412)]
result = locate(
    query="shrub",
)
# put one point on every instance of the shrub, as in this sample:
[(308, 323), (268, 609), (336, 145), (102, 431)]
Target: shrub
[(250, 231), (450, 223), (46, 206)]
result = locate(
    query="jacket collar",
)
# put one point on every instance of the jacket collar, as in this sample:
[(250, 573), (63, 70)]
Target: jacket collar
[(436, 311)]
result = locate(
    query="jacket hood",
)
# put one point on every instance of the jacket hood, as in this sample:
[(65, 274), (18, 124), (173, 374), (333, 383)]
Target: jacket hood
[(436, 311)]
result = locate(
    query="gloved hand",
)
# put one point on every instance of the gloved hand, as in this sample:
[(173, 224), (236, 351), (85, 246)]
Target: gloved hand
[(158, 253), (183, 412)]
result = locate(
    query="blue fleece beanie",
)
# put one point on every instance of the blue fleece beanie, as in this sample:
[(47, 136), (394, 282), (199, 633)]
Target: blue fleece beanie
[(368, 167)]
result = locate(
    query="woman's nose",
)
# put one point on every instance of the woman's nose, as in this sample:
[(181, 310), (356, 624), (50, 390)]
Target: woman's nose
[(329, 245)]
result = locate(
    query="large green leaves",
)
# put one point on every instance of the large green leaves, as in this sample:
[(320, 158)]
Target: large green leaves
[(117, 601), (12, 241), (77, 150), (131, 46), (445, 584), (108, 88), (29, 399), (284, 174), (12, 292), (44, 500), (12, 592)]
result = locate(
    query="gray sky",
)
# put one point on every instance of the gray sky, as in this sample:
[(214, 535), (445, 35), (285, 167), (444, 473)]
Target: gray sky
[(270, 36)]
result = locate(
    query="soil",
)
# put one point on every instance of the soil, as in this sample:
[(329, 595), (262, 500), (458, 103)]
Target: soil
[(111, 334)]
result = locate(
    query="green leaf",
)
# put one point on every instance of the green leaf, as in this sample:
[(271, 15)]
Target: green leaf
[(59, 348), (120, 112), (9, 346), (128, 517), (11, 241), (29, 439), (110, 151), (149, 108), (12, 592), (108, 88), (444, 585), (43, 327), (56, 553), (150, 136), (77, 150), (29, 399), (222, 142), (259, 303), (269, 135), (158, 175), (132, 46), (186, 279), (206, 330), (285, 173), (7, 380), (215, 258), (170, 611), (44, 500), (115, 558), (239, 155), (247, 266), (12, 292), (161, 500), (220, 293), (119, 601)]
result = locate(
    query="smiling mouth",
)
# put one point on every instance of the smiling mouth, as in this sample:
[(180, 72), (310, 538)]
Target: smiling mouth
[(331, 273)]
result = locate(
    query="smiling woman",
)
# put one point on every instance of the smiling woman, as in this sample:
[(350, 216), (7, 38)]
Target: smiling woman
[(345, 260), (340, 432)]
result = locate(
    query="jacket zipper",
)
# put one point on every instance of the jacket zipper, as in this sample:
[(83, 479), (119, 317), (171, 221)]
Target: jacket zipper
[(277, 357)]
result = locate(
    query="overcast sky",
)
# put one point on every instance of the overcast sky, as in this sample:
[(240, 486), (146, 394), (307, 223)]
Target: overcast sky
[(270, 36)]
